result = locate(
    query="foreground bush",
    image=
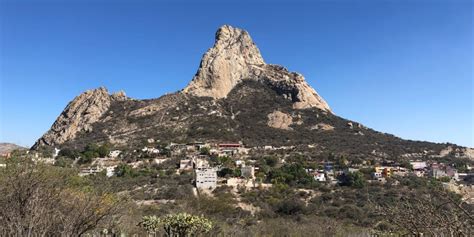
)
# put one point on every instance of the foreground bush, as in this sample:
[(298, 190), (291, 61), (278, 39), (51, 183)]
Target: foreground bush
[(181, 224), (40, 200)]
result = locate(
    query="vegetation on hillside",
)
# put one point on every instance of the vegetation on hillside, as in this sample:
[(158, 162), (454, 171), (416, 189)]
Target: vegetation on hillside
[(53, 200)]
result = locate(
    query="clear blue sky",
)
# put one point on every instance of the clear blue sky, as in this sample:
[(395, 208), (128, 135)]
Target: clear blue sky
[(402, 67)]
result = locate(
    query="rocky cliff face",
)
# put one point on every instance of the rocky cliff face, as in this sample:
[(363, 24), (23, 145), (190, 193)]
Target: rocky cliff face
[(79, 115), (234, 58)]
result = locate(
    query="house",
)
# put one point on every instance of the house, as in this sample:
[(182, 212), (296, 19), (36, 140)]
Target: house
[(350, 170), (268, 147), (177, 148), (89, 171), (452, 172), (159, 161), (185, 164), (151, 150), (328, 166), (206, 178), (419, 173), (196, 146), (418, 165), (377, 175), (239, 162), (319, 176), (400, 171), (437, 173), (229, 149), (384, 170), (248, 172), (110, 170), (114, 153), (200, 163)]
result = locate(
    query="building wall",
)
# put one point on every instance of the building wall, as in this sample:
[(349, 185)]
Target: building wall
[(206, 178)]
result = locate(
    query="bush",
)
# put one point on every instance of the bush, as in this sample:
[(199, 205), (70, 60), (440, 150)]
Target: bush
[(354, 179), (290, 207), (292, 174), (69, 153), (41, 200), (181, 224), (124, 170)]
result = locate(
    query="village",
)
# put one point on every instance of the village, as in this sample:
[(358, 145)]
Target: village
[(217, 164), (231, 164)]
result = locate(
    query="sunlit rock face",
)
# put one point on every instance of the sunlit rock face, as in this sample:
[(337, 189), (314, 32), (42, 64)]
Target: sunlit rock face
[(234, 58)]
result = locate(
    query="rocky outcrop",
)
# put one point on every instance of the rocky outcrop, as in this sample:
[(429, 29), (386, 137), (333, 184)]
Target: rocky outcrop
[(323, 127), (280, 120), (233, 58), (79, 115)]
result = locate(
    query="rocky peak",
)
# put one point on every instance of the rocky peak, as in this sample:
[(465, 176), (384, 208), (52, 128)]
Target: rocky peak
[(79, 115), (225, 64), (235, 57)]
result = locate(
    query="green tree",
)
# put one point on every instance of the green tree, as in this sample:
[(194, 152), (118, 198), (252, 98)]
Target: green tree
[(271, 161), (205, 151), (69, 153), (291, 174), (353, 179), (103, 151), (124, 170)]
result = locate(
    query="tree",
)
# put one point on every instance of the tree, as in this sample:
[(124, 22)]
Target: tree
[(292, 174), (69, 153), (124, 170), (180, 224), (205, 151), (271, 161), (41, 200), (342, 162), (103, 151), (353, 179)]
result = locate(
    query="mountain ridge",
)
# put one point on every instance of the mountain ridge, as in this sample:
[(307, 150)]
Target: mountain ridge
[(234, 95)]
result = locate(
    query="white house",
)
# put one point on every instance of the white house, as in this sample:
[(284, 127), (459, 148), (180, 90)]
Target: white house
[(239, 162), (418, 165), (377, 175), (319, 176), (206, 178), (114, 153), (110, 170), (201, 163), (151, 150), (89, 171)]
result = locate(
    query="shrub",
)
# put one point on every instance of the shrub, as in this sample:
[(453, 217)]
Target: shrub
[(354, 179), (181, 224), (290, 207)]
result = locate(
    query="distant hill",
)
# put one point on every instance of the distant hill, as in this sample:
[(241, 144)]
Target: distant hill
[(8, 147)]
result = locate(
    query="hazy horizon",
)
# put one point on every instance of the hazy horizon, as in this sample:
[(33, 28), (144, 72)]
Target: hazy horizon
[(403, 68)]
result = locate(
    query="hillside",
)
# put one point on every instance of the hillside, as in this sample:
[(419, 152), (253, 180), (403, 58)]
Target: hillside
[(9, 147)]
